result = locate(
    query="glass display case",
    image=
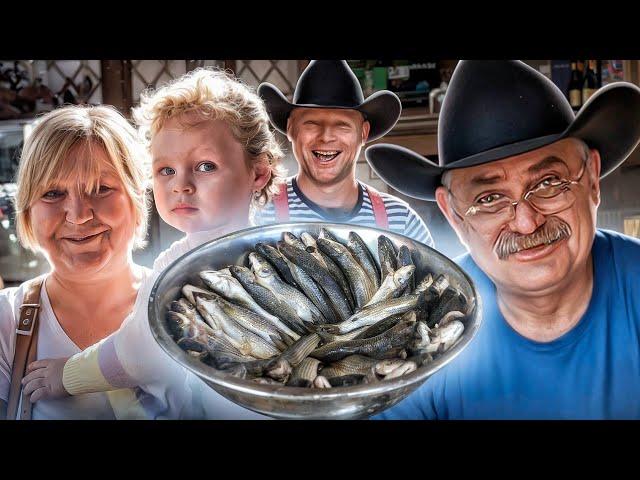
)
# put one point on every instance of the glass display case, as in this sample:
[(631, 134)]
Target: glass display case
[(413, 81)]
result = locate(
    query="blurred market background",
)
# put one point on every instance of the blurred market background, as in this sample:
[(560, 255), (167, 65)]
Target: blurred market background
[(29, 88)]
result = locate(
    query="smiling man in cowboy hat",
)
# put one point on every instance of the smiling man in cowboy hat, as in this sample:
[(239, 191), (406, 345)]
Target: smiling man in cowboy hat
[(519, 181), (327, 124)]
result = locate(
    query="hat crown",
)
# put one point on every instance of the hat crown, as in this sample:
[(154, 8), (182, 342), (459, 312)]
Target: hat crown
[(490, 104), (328, 83)]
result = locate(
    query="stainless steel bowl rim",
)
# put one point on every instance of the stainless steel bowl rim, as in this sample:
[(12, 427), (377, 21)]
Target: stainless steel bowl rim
[(297, 393)]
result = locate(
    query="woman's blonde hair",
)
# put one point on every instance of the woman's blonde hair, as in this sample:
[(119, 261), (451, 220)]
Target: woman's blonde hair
[(213, 94), (42, 163)]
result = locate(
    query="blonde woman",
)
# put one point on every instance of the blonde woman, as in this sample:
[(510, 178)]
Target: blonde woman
[(213, 159), (80, 201)]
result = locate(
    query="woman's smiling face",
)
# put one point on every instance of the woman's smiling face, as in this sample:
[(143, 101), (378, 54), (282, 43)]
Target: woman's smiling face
[(85, 230)]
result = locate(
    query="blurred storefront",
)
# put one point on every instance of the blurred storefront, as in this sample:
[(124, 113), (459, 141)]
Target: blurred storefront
[(30, 87), (16, 263)]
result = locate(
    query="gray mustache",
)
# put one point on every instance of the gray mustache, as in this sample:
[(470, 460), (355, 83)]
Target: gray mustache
[(552, 230)]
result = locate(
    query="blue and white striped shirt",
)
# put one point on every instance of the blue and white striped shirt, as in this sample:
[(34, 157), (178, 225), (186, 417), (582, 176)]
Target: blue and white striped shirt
[(402, 218)]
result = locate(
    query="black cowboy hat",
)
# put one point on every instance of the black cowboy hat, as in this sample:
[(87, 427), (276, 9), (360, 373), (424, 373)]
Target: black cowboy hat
[(332, 84), (497, 109)]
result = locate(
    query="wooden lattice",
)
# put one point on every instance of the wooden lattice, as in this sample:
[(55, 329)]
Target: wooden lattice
[(76, 81), (246, 69), (164, 69)]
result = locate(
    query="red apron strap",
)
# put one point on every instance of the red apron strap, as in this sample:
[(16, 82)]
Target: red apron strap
[(379, 210), (281, 204)]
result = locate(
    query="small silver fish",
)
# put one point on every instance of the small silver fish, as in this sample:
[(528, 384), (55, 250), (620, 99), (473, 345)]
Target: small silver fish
[(446, 336), (321, 382), (362, 287), (385, 367), (373, 314), (230, 288), (266, 275), (244, 340), (387, 255), (353, 364), (393, 285), (362, 253), (406, 367), (304, 374)]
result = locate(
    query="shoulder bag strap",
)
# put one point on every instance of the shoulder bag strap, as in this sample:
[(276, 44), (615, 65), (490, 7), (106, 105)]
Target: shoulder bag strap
[(25, 351)]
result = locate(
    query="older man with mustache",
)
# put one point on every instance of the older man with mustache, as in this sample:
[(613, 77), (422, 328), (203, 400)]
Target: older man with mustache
[(519, 181)]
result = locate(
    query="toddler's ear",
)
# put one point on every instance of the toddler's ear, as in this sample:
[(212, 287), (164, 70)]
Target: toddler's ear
[(261, 172)]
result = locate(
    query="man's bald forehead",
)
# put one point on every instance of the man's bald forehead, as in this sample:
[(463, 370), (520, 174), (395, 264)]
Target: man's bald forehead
[(325, 112)]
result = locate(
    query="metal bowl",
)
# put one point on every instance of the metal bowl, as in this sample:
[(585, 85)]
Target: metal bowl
[(292, 402)]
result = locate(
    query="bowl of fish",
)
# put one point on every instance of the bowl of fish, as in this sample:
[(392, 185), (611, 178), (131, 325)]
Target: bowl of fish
[(314, 320)]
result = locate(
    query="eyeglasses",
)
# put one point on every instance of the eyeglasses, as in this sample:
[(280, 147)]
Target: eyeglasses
[(548, 197)]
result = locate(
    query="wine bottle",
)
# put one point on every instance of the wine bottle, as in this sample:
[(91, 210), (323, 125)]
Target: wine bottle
[(575, 88), (590, 81)]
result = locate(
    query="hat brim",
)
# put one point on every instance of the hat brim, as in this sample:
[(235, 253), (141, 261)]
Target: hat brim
[(609, 122), (382, 110), (404, 170)]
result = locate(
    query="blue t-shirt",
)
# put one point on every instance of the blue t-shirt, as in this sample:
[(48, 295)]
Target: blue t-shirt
[(590, 372)]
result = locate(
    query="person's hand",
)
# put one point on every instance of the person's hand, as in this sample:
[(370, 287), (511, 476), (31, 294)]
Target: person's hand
[(44, 379)]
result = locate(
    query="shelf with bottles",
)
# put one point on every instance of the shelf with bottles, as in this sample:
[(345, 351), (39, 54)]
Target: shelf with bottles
[(580, 79)]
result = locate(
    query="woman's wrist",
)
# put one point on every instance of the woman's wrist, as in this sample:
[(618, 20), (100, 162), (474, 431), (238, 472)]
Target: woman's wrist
[(82, 373)]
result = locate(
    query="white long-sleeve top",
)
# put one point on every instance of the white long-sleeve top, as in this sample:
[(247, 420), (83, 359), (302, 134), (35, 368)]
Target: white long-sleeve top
[(53, 342), (131, 358)]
